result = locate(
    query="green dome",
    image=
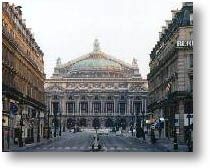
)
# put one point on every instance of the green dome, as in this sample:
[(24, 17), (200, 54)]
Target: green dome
[(95, 63)]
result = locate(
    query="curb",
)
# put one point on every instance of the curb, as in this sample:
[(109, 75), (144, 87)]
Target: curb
[(22, 149)]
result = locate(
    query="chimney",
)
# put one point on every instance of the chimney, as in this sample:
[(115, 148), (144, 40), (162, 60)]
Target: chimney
[(18, 10), (187, 4), (174, 13), (167, 23), (160, 35), (163, 29)]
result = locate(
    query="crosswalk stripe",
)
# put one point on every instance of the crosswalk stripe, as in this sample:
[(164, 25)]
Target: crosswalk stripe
[(74, 147), (111, 148), (82, 147), (119, 148), (52, 148), (67, 148), (135, 149), (126, 149)]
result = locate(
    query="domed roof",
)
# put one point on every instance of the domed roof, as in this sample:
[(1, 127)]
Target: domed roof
[(96, 60), (94, 63)]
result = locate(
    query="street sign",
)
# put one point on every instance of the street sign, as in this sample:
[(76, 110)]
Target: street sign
[(13, 108), (188, 119)]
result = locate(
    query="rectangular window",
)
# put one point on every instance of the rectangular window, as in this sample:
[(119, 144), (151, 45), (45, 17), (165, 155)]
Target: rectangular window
[(137, 108), (97, 107), (191, 19), (191, 61), (191, 84), (122, 108), (110, 107), (84, 107), (70, 107), (55, 107)]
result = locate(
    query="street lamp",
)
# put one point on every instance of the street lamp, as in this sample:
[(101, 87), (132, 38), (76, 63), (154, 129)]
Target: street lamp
[(38, 135), (48, 123), (55, 120), (21, 125), (189, 139), (143, 124), (60, 125)]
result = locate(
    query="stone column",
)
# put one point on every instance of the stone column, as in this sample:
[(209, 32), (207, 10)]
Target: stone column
[(63, 106), (128, 106), (114, 106), (91, 106), (103, 112), (50, 104), (116, 110), (77, 106)]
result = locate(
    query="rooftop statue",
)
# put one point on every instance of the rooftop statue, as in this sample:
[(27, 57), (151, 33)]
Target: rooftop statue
[(58, 61), (96, 45)]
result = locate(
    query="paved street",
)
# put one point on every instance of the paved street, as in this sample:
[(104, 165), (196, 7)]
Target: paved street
[(82, 141)]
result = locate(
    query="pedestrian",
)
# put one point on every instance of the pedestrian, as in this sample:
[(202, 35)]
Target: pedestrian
[(159, 131), (153, 140)]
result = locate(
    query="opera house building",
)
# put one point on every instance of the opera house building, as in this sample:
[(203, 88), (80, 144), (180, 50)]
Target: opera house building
[(96, 88)]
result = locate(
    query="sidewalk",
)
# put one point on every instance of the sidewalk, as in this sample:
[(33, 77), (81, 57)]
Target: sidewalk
[(44, 141), (164, 144)]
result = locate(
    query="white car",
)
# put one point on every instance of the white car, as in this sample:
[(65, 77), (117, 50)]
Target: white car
[(118, 132)]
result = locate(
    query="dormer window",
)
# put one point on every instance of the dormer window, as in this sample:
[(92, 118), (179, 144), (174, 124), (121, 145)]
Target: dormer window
[(191, 19), (55, 97), (70, 98)]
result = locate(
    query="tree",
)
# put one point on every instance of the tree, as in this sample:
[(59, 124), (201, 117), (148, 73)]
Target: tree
[(70, 123), (96, 123), (109, 123), (83, 122)]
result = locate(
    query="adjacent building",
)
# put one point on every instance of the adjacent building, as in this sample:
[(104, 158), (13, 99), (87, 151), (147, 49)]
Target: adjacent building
[(171, 74), (22, 81), (95, 89)]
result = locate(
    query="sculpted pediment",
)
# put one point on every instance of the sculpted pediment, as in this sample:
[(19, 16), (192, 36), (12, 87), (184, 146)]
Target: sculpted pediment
[(55, 88)]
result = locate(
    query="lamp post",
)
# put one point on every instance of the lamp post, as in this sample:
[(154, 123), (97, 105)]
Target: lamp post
[(143, 124), (38, 135), (60, 125), (21, 125), (189, 140), (48, 123), (55, 120)]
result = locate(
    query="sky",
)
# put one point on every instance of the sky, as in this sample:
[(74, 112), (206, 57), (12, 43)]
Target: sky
[(126, 29)]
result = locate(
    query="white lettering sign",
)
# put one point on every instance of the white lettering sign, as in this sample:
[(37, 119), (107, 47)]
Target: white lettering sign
[(183, 43)]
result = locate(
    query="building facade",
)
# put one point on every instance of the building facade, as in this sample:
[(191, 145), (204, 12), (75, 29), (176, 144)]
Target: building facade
[(96, 89), (171, 74), (22, 81)]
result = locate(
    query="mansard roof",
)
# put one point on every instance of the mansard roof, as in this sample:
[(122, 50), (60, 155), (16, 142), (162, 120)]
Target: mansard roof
[(95, 61)]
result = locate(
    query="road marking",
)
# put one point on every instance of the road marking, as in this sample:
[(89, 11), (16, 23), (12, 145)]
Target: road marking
[(135, 149), (111, 148), (74, 147), (52, 148), (105, 148), (119, 148), (67, 148), (82, 148)]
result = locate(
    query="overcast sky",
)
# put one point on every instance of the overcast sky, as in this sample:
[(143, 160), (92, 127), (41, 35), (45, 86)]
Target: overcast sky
[(125, 28)]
